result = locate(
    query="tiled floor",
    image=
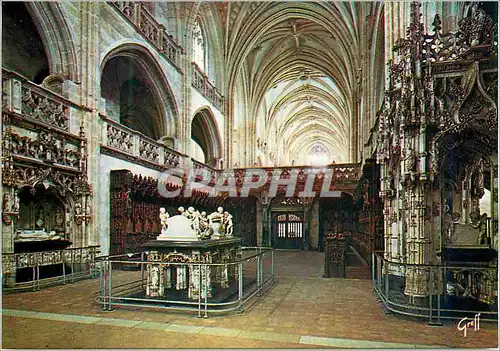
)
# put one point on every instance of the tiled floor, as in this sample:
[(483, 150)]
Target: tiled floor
[(302, 310)]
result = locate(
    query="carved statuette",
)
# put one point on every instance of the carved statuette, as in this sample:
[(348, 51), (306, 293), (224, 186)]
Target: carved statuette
[(163, 219)]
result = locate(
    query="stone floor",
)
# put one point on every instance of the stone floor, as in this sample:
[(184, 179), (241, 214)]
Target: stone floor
[(302, 310)]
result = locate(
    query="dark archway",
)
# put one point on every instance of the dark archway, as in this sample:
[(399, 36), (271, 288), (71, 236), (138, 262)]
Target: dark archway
[(205, 133), (23, 50), (136, 92)]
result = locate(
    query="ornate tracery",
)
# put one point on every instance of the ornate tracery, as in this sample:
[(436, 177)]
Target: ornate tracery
[(437, 136), (199, 48)]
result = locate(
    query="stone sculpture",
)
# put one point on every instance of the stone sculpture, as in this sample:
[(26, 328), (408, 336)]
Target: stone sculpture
[(215, 222), (163, 219), (204, 228), (228, 224), (190, 224), (194, 217), (178, 228)]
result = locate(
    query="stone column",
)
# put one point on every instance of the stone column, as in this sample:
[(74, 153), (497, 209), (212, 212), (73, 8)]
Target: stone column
[(155, 285)]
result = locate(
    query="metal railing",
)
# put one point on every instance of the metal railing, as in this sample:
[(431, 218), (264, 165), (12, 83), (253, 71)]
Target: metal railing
[(436, 292), (250, 275), (79, 261)]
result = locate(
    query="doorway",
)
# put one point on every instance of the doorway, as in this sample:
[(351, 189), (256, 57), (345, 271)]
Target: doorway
[(287, 230)]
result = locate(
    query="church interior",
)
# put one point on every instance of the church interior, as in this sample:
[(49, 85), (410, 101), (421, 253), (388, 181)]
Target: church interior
[(246, 174)]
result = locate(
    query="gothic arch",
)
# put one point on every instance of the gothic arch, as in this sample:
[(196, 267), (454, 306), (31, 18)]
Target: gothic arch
[(166, 121), (205, 132), (211, 25), (58, 38)]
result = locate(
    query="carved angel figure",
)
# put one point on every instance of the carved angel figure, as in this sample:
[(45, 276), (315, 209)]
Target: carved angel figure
[(204, 228), (228, 224), (163, 218), (194, 217), (215, 220)]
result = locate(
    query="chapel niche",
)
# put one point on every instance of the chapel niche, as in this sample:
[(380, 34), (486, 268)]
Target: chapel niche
[(42, 217)]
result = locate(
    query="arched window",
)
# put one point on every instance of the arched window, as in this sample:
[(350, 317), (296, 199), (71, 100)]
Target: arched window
[(199, 46), (318, 156)]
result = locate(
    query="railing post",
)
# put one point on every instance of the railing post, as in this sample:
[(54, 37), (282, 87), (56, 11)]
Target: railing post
[(199, 290), (34, 279), (430, 289), (136, 140), (240, 287), (64, 271), (206, 289), (379, 272), (110, 281), (137, 14), (142, 268), (386, 281), (272, 264), (161, 33), (103, 283), (373, 267), (14, 91), (440, 275), (259, 274)]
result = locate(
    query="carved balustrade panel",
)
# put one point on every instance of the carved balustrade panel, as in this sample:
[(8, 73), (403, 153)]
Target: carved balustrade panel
[(23, 99), (120, 138), (49, 147), (147, 25), (124, 142), (84, 255), (148, 150), (172, 158), (42, 107), (210, 172), (5, 96), (126, 7), (201, 82)]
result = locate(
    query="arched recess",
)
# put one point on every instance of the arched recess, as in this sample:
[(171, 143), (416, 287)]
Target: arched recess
[(23, 49), (208, 17), (57, 38), (205, 133), (137, 93)]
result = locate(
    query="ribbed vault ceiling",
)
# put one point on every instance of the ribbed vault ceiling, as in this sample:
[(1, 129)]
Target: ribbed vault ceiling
[(299, 63)]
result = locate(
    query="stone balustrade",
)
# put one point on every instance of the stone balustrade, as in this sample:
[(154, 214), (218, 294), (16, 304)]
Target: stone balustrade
[(137, 14), (24, 99), (341, 172), (210, 170), (201, 82), (119, 140)]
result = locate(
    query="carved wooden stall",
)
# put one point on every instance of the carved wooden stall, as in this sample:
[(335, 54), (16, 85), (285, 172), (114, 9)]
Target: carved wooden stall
[(368, 206), (244, 215), (437, 146), (134, 208), (336, 216), (47, 198), (335, 255)]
